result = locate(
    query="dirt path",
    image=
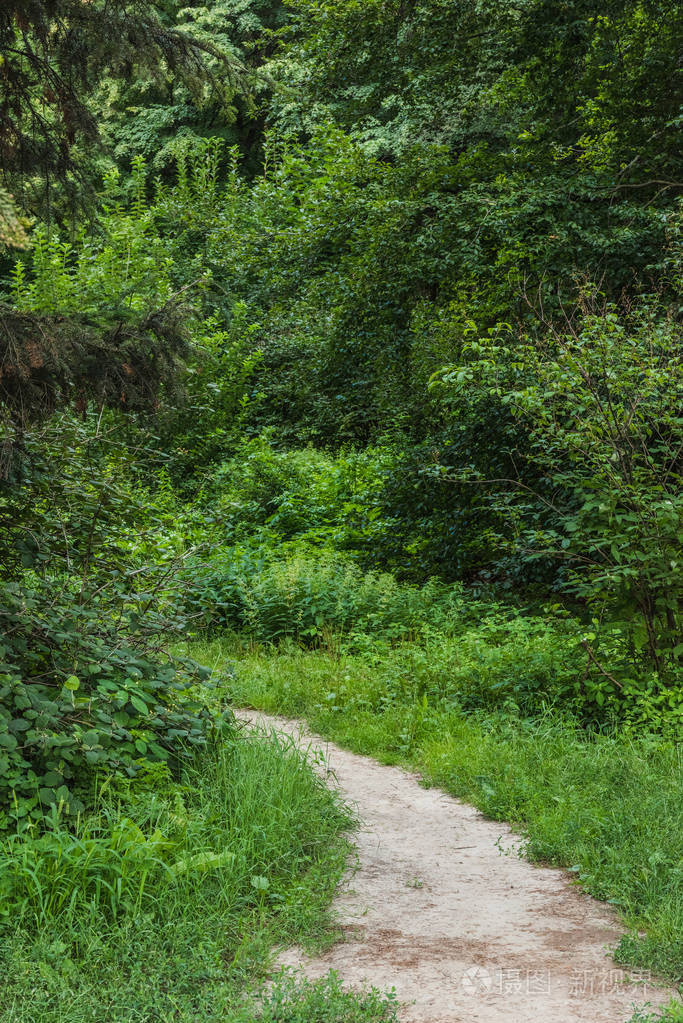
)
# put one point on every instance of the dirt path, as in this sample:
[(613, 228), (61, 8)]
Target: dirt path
[(464, 933)]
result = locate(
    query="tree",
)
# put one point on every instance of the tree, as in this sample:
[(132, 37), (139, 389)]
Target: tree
[(51, 56), (600, 398), (99, 320), (150, 114)]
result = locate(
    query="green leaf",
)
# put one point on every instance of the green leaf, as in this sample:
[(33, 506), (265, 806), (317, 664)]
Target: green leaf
[(139, 705)]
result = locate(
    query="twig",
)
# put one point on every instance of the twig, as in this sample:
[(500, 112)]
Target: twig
[(591, 657)]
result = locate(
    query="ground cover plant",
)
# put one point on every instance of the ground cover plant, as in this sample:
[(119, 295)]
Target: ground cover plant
[(293, 1000)]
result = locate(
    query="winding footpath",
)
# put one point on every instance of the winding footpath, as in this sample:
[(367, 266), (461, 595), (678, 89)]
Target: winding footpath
[(441, 907)]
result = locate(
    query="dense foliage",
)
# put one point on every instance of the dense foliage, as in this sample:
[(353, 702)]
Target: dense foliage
[(541, 454), (351, 328)]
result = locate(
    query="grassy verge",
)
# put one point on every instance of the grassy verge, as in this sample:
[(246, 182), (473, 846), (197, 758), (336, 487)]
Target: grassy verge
[(165, 904), (293, 999), (610, 808)]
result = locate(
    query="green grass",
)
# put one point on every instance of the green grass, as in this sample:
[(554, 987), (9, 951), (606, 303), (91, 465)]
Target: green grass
[(672, 1014), (609, 808), (165, 905), (293, 999)]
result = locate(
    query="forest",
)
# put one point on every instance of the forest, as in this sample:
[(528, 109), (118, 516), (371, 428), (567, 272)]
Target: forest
[(341, 377)]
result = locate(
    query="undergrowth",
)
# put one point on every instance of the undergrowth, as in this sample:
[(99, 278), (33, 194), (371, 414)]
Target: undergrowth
[(475, 649), (163, 903)]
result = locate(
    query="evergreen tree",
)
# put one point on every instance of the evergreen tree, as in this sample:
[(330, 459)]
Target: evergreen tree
[(52, 54)]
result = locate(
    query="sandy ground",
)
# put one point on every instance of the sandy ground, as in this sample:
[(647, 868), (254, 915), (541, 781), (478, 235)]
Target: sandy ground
[(440, 907)]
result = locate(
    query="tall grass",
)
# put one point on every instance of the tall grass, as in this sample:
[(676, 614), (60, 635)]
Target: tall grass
[(159, 906)]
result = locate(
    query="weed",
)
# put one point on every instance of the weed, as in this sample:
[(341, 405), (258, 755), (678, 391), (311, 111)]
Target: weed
[(293, 999)]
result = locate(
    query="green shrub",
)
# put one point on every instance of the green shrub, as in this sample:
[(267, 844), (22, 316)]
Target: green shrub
[(207, 425), (600, 401), (85, 685), (308, 598), (311, 596), (435, 642), (301, 494), (81, 693), (387, 505)]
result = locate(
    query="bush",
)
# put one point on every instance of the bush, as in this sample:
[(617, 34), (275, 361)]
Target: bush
[(81, 693), (388, 505), (312, 596), (601, 402), (434, 643), (208, 423), (85, 686), (301, 494)]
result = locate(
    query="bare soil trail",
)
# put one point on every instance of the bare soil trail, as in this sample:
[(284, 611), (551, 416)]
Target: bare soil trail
[(464, 933)]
